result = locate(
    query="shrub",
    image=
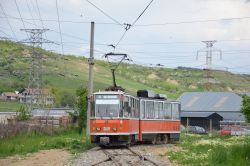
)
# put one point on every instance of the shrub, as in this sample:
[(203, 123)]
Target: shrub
[(23, 114)]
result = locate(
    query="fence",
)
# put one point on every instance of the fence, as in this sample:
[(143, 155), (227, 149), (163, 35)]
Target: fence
[(42, 124), (214, 126)]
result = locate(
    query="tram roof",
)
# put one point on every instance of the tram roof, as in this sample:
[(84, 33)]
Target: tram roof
[(109, 92)]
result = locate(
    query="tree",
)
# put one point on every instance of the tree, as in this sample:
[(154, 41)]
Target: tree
[(23, 114), (245, 109), (81, 114), (68, 99)]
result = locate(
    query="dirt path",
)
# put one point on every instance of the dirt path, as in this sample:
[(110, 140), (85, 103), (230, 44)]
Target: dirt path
[(55, 157), (96, 156), (159, 151)]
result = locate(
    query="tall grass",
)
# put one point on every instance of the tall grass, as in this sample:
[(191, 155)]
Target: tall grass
[(212, 151), (34, 142), (234, 155)]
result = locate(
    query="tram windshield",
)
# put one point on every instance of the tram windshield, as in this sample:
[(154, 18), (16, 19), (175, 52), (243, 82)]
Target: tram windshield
[(107, 106)]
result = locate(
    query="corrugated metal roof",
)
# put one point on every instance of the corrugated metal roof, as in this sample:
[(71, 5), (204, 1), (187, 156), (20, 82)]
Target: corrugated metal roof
[(236, 116), (210, 101), (196, 114), (246, 93)]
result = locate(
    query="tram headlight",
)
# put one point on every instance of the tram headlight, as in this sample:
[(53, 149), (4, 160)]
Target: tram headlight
[(115, 129), (98, 128)]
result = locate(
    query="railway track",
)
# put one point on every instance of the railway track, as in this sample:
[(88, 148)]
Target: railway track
[(125, 157)]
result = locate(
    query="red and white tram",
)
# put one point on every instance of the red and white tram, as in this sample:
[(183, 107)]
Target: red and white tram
[(118, 118)]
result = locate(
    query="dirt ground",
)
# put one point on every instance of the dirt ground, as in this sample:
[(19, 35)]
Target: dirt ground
[(55, 157), (161, 150), (59, 157)]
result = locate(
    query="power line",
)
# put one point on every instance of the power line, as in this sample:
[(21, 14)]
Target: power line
[(141, 25), (107, 15), (14, 35), (59, 26), (128, 26), (64, 34), (40, 18), (20, 16), (66, 21), (142, 13), (132, 44), (194, 21), (27, 4)]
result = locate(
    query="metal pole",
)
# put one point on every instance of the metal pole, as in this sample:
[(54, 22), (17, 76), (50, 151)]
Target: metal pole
[(90, 83), (210, 126), (187, 127)]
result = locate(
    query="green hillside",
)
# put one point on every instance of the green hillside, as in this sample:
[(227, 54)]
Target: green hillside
[(64, 74)]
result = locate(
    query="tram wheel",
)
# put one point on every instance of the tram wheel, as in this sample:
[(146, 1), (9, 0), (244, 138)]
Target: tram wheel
[(165, 139), (158, 139), (154, 140)]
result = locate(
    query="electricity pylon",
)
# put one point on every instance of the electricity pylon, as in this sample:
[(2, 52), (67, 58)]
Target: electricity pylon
[(35, 96), (209, 55)]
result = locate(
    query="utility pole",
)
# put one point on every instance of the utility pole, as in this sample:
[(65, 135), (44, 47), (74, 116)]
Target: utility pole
[(91, 74), (36, 98), (209, 55)]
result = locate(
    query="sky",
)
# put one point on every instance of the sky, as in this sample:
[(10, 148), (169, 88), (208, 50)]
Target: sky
[(168, 33)]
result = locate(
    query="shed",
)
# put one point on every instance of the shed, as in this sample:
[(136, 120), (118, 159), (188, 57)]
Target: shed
[(225, 104), (202, 119)]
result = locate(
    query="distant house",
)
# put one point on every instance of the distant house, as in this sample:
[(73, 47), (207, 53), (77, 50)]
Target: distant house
[(36, 96), (220, 106), (10, 96)]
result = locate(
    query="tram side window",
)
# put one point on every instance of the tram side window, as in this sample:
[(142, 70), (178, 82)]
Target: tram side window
[(156, 110), (167, 111), (149, 109), (127, 108), (142, 109), (132, 101), (160, 109), (92, 109), (136, 108), (175, 111), (121, 109)]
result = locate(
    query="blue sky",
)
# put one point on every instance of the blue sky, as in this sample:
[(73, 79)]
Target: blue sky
[(168, 33)]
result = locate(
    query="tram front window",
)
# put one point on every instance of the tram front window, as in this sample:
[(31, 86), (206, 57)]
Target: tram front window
[(107, 106)]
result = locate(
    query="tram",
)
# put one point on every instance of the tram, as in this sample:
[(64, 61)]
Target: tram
[(117, 118)]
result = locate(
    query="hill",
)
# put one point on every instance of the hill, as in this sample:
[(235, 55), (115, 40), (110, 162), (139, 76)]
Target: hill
[(64, 74)]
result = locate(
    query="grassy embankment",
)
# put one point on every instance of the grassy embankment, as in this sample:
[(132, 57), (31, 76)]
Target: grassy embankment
[(216, 150), (65, 74), (33, 142)]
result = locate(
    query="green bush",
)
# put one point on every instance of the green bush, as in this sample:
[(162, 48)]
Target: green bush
[(23, 114)]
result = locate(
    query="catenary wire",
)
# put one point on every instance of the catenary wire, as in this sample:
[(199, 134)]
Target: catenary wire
[(13, 33), (59, 26), (103, 12)]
